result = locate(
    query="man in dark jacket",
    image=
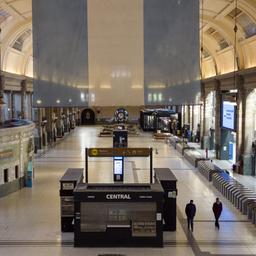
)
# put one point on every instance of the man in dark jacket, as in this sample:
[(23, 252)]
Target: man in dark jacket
[(217, 209), (190, 212)]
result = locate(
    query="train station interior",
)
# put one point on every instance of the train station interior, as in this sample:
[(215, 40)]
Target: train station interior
[(114, 114)]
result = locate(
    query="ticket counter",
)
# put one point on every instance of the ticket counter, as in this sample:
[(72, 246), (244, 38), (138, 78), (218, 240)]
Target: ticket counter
[(123, 215)]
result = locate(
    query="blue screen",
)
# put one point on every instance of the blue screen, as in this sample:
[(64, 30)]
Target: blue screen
[(228, 115), (118, 165)]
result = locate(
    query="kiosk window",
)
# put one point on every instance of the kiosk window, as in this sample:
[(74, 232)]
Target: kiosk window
[(16, 171), (139, 217), (6, 175), (67, 206)]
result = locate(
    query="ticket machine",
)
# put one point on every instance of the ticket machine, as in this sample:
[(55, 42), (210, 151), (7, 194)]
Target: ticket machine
[(118, 168), (120, 140)]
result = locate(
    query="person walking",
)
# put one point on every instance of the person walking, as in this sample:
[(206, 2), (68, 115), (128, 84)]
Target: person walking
[(190, 212), (217, 209)]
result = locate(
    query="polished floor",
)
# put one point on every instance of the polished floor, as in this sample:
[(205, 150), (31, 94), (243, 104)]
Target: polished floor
[(30, 218)]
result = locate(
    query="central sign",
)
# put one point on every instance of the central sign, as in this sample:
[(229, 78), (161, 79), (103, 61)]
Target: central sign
[(126, 152), (118, 196)]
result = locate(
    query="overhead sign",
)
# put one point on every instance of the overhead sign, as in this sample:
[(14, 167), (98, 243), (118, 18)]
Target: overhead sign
[(126, 152)]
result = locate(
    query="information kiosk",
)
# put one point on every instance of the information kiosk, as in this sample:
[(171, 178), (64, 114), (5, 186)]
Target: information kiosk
[(118, 215)]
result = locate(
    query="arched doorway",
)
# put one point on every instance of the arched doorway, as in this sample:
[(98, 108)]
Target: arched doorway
[(87, 117)]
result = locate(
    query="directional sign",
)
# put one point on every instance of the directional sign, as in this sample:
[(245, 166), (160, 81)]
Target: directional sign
[(111, 152)]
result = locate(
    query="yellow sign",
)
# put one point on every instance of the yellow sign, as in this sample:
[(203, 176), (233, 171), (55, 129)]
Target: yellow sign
[(94, 152), (127, 152)]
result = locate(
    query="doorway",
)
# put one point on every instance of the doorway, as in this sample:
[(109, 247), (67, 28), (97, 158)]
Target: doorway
[(228, 145), (88, 117)]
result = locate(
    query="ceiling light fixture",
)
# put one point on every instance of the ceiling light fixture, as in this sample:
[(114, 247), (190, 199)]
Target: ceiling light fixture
[(157, 86)]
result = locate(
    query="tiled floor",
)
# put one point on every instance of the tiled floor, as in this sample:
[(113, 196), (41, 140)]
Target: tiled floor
[(30, 218)]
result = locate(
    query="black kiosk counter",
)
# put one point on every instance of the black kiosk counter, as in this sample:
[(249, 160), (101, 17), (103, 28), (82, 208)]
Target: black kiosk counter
[(169, 184), (118, 214), (68, 183)]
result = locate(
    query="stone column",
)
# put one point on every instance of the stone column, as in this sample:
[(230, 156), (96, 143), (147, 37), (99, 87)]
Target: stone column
[(54, 124), (202, 115), (40, 127), (217, 119), (12, 105), (248, 135), (78, 116), (38, 134), (9, 107), (31, 102), (192, 118), (43, 127), (2, 103), (69, 113), (59, 123), (240, 122), (29, 105), (23, 99), (186, 112), (72, 117), (66, 120), (49, 125), (182, 116), (189, 116)]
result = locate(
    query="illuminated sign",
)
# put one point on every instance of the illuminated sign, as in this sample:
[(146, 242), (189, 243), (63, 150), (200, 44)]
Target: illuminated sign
[(118, 165), (94, 152), (228, 115)]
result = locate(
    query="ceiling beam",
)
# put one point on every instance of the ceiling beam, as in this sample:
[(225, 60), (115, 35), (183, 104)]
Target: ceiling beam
[(10, 9)]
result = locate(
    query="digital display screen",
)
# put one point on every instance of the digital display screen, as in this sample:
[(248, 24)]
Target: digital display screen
[(118, 165), (228, 115)]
